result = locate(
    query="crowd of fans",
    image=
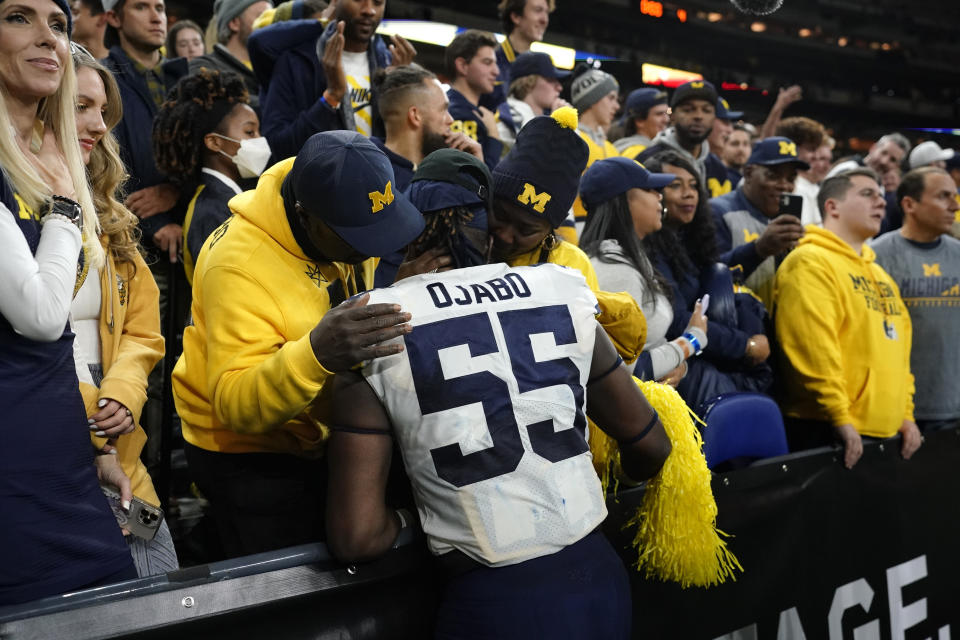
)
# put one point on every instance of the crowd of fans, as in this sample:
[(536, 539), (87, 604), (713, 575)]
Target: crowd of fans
[(833, 283)]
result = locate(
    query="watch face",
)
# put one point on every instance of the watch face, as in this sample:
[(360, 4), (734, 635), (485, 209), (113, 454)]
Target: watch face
[(66, 207)]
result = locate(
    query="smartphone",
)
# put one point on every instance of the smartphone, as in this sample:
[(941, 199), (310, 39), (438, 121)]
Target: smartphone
[(705, 304), (142, 520), (791, 204)]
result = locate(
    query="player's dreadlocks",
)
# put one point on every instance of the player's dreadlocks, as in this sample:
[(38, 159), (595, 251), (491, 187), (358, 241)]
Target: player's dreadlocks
[(447, 229), (195, 107)]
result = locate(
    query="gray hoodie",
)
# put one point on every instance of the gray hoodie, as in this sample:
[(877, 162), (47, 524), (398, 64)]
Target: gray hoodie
[(668, 137)]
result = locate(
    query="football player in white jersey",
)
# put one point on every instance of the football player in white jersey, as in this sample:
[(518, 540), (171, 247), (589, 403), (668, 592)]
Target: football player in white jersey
[(487, 402)]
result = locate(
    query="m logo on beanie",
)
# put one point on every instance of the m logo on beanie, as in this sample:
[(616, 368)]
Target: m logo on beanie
[(380, 200), (531, 197)]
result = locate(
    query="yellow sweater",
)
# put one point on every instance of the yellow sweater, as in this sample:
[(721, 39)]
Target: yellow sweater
[(597, 152), (248, 380), (130, 346), (620, 315), (845, 335)]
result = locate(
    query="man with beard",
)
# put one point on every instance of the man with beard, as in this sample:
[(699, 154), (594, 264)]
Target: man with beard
[(414, 110), (694, 110), (315, 78), (472, 66), (234, 24), (751, 233), (718, 177)]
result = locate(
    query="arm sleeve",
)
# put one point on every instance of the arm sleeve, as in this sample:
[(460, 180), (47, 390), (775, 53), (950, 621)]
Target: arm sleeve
[(808, 312), (141, 345), (35, 291), (257, 379), (291, 113)]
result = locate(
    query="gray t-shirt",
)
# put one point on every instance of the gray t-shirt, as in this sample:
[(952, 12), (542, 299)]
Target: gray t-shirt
[(928, 275)]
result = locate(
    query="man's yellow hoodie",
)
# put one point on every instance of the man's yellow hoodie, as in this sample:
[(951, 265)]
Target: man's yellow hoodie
[(845, 336), (248, 380)]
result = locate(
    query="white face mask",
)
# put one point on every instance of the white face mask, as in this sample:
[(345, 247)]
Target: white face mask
[(252, 156)]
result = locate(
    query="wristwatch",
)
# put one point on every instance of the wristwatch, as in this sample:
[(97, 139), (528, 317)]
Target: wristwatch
[(63, 208)]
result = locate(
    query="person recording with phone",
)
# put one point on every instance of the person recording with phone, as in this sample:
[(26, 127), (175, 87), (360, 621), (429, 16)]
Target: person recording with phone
[(752, 230)]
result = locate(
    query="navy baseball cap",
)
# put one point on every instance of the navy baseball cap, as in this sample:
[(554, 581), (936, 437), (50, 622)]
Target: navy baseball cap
[(641, 100), (347, 182), (533, 63), (774, 151), (608, 178), (724, 112), (696, 89)]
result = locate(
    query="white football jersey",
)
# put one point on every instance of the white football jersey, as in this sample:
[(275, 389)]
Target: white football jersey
[(487, 401)]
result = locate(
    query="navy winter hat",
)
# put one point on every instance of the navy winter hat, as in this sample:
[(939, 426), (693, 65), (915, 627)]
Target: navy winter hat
[(606, 179), (697, 89), (724, 112), (542, 171), (347, 182), (776, 150), (534, 63)]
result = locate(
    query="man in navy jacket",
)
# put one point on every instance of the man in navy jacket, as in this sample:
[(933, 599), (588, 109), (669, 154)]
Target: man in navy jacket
[(144, 77), (305, 85)]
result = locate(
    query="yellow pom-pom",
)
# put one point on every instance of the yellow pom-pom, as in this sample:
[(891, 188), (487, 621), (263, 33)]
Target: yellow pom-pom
[(566, 117), (676, 537)]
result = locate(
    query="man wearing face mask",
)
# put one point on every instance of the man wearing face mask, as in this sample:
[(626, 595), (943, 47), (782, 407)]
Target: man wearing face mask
[(207, 139), (270, 328)]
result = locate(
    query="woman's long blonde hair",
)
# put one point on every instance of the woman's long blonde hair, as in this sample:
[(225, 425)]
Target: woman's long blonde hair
[(58, 112), (106, 172)]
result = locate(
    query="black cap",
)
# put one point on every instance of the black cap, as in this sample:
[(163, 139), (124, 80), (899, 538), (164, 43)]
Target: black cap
[(699, 89)]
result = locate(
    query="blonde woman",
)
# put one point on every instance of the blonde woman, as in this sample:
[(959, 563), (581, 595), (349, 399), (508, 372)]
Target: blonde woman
[(58, 532), (116, 313)]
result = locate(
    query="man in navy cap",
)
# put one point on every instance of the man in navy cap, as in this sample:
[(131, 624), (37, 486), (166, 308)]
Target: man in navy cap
[(534, 91), (718, 178), (751, 232), (647, 114), (270, 328), (693, 111)]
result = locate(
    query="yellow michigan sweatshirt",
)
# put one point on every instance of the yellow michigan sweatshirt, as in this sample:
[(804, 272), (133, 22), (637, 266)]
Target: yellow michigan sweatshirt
[(248, 380), (845, 336)]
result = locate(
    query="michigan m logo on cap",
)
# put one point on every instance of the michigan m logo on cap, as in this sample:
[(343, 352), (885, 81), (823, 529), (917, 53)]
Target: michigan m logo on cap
[(380, 200), (788, 148), (696, 84), (531, 197)]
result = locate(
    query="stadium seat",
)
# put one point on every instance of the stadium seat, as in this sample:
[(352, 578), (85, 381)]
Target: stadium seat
[(744, 426)]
